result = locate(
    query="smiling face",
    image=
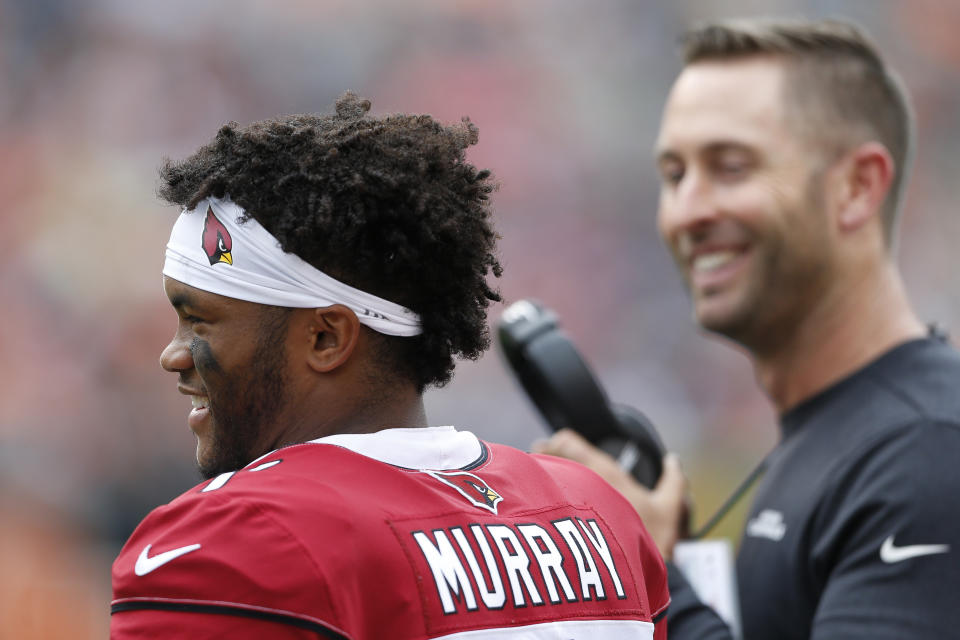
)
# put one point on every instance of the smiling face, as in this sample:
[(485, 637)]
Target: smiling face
[(231, 359), (741, 201)]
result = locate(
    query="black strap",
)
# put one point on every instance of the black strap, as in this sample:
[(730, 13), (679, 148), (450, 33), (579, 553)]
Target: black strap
[(228, 610), (733, 499)]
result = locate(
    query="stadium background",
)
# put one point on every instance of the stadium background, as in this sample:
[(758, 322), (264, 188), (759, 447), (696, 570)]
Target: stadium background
[(567, 96)]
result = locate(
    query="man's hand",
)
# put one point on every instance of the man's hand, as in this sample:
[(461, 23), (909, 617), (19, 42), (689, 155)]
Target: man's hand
[(663, 510)]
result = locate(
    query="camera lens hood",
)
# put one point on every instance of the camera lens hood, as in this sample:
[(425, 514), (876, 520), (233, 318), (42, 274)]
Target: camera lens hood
[(565, 391)]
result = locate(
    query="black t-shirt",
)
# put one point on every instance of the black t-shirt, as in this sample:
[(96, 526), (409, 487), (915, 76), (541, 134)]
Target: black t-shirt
[(854, 531)]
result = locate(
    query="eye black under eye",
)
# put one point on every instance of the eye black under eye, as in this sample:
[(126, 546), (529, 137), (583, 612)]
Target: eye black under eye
[(196, 345)]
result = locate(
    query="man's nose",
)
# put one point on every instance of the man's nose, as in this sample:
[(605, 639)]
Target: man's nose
[(691, 204), (177, 356)]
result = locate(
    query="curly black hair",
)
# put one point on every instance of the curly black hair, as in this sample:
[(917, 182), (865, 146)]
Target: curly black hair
[(385, 204)]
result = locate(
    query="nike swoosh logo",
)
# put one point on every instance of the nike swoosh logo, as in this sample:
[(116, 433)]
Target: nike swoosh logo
[(890, 553), (146, 564)]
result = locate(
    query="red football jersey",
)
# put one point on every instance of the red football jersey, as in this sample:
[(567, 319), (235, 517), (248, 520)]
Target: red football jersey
[(405, 534)]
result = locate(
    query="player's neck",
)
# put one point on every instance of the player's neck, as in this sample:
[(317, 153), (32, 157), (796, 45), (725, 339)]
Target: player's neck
[(394, 408), (346, 410), (846, 330)]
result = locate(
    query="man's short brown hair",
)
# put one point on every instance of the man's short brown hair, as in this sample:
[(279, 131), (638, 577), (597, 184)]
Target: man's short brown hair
[(838, 87)]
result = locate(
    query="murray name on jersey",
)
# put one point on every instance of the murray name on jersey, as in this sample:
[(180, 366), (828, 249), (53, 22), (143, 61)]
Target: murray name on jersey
[(562, 561)]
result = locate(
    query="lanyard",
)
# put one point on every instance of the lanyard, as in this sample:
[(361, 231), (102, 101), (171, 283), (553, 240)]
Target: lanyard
[(733, 499)]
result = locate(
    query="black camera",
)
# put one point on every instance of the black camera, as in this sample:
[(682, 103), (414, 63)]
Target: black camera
[(564, 389)]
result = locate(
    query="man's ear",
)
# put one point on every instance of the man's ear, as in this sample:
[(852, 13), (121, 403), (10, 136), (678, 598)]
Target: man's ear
[(865, 175), (333, 333)]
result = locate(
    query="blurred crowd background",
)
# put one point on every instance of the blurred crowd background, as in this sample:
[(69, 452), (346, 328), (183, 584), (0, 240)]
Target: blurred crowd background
[(567, 95)]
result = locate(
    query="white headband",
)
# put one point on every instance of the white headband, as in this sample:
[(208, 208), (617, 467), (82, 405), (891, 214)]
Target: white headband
[(210, 250)]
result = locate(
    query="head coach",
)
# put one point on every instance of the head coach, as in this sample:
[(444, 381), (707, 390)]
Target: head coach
[(783, 153)]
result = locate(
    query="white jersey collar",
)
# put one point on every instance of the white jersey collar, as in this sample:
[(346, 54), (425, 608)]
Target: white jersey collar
[(436, 448)]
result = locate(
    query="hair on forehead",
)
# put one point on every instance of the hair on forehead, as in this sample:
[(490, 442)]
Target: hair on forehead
[(837, 86)]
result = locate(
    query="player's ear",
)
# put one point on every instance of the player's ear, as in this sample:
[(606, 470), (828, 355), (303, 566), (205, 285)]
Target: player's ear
[(864, 179), (332, 334)]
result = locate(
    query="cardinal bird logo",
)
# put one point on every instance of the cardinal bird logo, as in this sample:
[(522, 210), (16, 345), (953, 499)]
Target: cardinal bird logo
[(471, 487), (217, 242)]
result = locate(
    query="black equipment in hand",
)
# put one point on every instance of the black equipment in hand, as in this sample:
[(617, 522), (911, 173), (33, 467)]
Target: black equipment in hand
[(566, 392)]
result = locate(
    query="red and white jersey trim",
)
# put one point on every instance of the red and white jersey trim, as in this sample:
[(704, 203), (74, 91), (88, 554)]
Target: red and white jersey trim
[(412, 448), (565, 629)]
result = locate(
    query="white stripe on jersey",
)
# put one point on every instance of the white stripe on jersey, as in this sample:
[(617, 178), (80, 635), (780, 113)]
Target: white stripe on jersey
[(563, 630)]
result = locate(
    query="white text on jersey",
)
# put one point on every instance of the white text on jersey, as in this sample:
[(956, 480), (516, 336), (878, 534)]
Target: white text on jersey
[(571, 543)]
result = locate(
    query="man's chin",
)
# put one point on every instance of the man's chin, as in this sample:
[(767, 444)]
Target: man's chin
[(212, 463), (726, 320), (210, 468)]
